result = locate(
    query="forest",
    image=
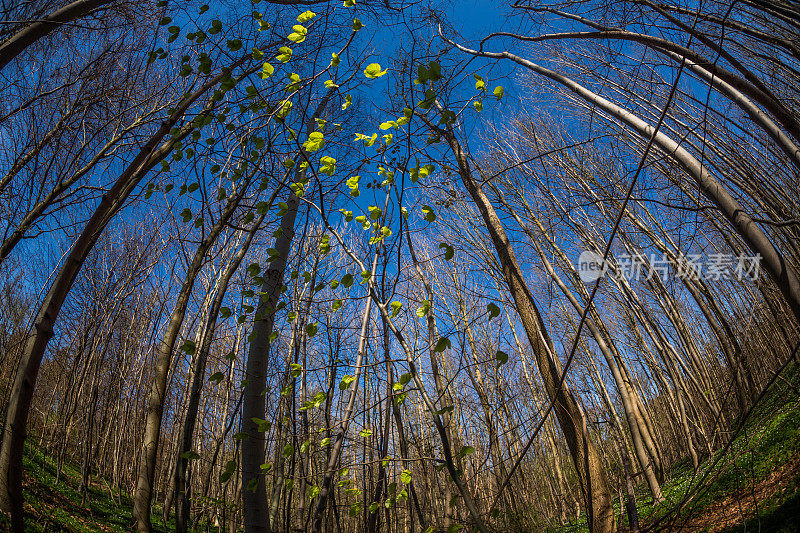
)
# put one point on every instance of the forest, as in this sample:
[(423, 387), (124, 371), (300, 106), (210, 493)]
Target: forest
[(407, 266)]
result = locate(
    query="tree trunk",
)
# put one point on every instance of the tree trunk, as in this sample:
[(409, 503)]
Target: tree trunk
[(569, 413)]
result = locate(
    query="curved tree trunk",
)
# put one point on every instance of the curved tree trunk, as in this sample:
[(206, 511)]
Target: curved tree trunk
[(22, 391), (569, 413)]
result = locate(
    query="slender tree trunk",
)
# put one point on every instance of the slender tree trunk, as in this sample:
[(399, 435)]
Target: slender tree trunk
[(569, 413), (182, 472)]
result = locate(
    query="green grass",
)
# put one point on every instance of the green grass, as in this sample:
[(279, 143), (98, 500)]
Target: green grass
[(56, 506), (768, 442)]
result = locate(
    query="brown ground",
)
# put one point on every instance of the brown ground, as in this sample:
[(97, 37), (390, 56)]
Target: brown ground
[(736, 509)]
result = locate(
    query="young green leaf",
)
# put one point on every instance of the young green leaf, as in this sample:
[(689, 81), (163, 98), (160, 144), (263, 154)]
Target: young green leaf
[(442, 344), (311, 329), (373, 71), (448, 250), (424, 308), (285, 54), (305, 16), (346, 381), (502, 358), (466, 450), (315, 141), (327, 165)]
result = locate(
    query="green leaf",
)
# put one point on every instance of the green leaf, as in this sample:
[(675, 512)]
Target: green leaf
[(261, 424), (479, 83), (349, 3), (346, 381), (373, 71), (216, 377), (288, 450), (434, 71), (493, 310), (478, 105), (266, 71), (190, 455), (424, 308), (298, 34), (327, 165), (375, 212), (347, 280), (498, 92), (311, 329), (315, 141), (395, 308), (305, 16), (285, 54), (188, 347), (357, 25), (429, 215), (296, 370), (466, 450), (365, 433), (352, 183), (502, 357), (442, 344), (448, 250), (405, 476)]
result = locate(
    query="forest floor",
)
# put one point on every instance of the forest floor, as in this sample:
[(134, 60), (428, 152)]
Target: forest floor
[(59, 506), (753, 487)]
